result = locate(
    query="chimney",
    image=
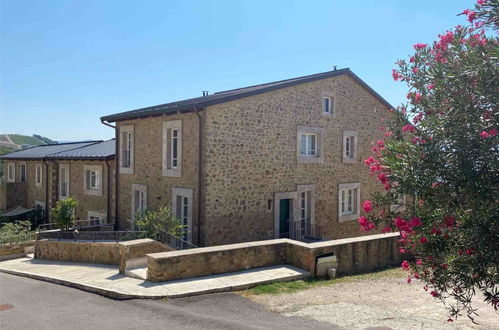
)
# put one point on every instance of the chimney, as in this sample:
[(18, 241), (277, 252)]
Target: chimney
[(334, 67), (205, 93)]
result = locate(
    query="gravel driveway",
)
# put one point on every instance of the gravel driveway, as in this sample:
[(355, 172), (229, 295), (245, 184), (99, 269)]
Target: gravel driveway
[(385, 300)]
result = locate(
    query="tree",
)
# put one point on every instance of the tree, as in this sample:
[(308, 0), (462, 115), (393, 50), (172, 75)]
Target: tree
[(155, 221), (63, 213), (441, 154)]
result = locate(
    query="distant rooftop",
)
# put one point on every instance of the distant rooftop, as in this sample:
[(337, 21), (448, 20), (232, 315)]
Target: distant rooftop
[(229, 95), (74, 150)]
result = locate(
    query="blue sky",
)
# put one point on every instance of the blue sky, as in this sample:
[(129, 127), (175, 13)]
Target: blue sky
[(64, 64)]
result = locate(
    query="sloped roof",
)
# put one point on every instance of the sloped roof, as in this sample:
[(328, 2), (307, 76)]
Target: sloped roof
[(234, 94), (99, 150), (74, 150)]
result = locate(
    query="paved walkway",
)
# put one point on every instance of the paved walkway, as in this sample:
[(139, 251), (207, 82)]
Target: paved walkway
[(105, 279)]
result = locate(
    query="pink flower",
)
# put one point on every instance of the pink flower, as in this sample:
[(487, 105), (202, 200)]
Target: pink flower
[(493, 132), (431, 86), (469, 252), (405, 265), (411, 59), (419, 262), (387, 229), (396, 75), (450, 221), (484, 135), (417, 98), (423, 240), (367, 206), (419, 46), (369, 161), (434, 294), (408, 128), (415, 222), (415, 69), (409, 280)]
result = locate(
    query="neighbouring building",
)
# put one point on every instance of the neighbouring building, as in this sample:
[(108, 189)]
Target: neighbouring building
[(42, 175), (282, 159)]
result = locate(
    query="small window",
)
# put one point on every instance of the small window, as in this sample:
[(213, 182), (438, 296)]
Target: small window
[(327, 104), (349, 146), (38, 175), (95, 218), (309, 144), (400, 204), (349, 201), (22, 172), (93, 180), (11, 172), (172, 148)]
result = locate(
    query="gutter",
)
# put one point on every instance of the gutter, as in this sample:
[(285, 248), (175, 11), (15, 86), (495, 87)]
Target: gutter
[(200, 173), (47, 202), (108, 190), (116, 174)]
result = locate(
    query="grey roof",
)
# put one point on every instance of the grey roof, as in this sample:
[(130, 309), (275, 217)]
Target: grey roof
[(75, 150), (99, 150), (200, 102)]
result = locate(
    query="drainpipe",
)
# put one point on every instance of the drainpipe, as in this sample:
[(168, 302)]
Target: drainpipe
[(200, 172), (116, 174), (108, 190), (47, 202)]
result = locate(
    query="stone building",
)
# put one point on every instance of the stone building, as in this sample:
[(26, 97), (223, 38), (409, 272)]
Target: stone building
[(42, 175), (282, 159)]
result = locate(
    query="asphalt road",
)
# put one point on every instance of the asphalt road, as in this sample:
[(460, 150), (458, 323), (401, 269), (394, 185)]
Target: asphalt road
[(30, 304)]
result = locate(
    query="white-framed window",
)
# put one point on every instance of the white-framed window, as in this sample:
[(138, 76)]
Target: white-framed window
[(139, 198), (182, 209), (63, 181), (172, 148), (305, 205), (350, 139), (22, 172), (11, 172), (92, 179), (126, 149), (328, 104), (96, 218), (38, 175), (348, 201), (309, 144)]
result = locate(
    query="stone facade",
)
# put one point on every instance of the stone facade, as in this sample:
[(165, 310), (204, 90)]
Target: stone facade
[(148, 165), (28, 193), (250, 158)]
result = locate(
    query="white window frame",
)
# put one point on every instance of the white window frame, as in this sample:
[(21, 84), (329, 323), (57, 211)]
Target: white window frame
[(309, 191), (66, 180), (307, 131), (172, 166), (94, 215), (11, 172), (23, 169), (129, 130), (184, 193), (331, 97), (309, 148), (95, 190), (345, 190), (142, 189), (350, 138), (38, 175)]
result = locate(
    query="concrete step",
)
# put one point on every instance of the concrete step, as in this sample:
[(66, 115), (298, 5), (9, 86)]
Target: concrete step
[(138, 273)]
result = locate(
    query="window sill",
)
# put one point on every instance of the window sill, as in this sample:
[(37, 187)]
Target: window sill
[(347, 160), (177, 172), (93, 192), (349, 217), (310, 159), (126, 170)]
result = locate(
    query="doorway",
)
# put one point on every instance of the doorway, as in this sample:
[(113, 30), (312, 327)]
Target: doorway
[(285, 216)]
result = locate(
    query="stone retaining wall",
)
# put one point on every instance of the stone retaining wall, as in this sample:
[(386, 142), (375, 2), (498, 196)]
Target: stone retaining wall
[(355, 255), (15, 250), (78, 251), (138, 248)]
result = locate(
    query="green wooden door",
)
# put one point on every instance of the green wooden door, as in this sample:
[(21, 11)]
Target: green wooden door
[(284, 217)]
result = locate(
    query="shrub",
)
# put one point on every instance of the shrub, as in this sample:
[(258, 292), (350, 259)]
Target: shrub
[(155, 221), (63, 213), (15, 229), (442, 150)]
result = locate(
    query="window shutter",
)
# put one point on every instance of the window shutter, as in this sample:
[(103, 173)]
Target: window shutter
[(98, 179), (88, 175)]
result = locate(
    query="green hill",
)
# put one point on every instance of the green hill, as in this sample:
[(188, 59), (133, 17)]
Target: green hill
[(34, 140)]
